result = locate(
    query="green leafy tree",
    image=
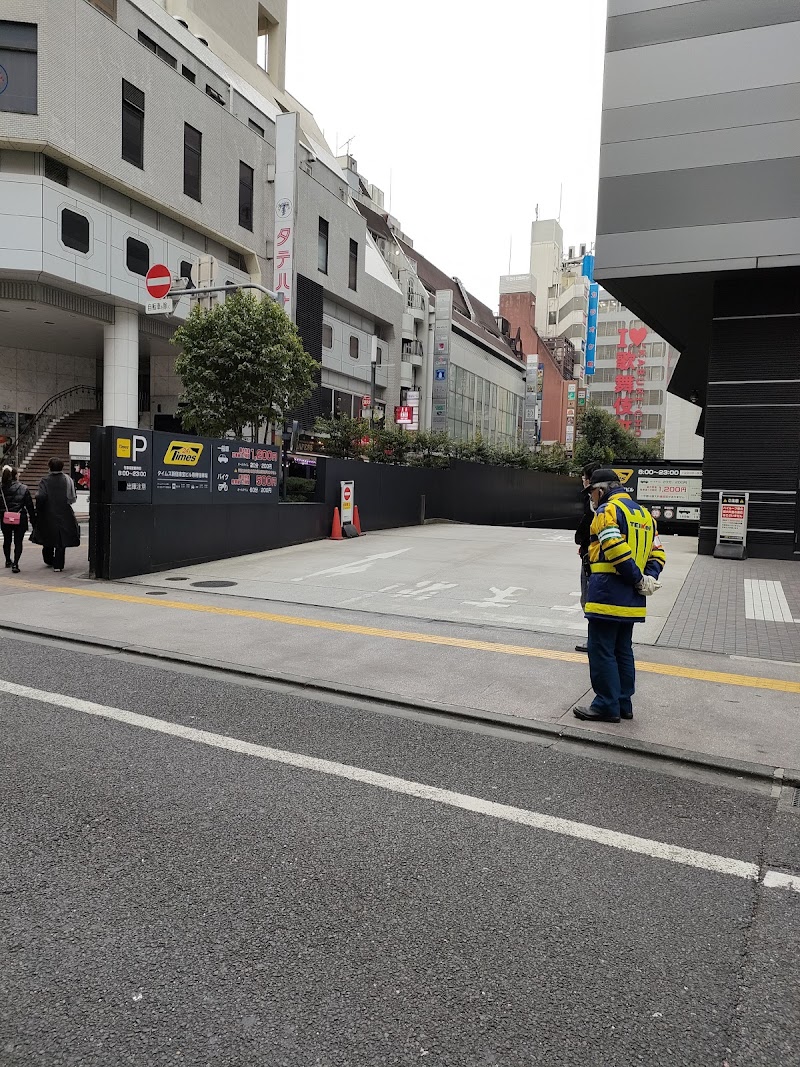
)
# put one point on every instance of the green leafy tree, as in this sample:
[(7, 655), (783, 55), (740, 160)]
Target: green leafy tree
[(603, 439), (432, 449), (344, 436), (242, 362)]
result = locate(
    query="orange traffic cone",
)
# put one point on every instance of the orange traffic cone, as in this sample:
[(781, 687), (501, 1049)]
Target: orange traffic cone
[(336, 531), (357, 520)]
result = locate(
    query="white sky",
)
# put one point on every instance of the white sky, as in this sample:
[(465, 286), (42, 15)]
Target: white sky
[(477, 110)]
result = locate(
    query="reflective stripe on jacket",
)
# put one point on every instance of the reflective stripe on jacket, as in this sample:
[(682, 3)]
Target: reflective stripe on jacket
[(624, 546)]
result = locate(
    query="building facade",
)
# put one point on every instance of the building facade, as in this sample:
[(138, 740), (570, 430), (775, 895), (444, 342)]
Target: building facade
[(699, 232), (461, 368), (166, 152)]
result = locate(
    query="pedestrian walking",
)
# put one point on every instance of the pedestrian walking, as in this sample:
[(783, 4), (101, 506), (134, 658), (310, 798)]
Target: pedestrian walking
[(56, 526), (17, 507), (625, 559), (582, 535)]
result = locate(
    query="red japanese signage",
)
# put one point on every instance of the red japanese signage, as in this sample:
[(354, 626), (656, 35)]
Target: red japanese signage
[(404, 415), (630, 379)]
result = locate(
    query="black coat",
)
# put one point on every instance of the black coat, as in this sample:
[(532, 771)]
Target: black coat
[(56, 525), (583, 533), (18, 498)]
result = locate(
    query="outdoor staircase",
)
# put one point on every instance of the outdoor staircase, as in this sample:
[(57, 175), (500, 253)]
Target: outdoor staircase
[(55, 442)]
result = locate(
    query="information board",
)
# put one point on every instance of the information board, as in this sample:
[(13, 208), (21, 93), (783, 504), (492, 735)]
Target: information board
[(131, 466), (665, 491), (181, 467), (243, 470)]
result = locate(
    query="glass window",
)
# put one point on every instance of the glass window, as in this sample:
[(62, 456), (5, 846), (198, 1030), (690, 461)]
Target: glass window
[(192, 161), (255, 127), (322, 246), (188, 74), (245, 196), (75, 230), (354, 347), (137, 256), (18, 67), (157, 50), (212, 92), (379, 360), (327, 335), (353, 266), (132, 124)]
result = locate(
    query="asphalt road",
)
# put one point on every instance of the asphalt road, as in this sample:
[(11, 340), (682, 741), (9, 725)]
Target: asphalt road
[(166, 901)]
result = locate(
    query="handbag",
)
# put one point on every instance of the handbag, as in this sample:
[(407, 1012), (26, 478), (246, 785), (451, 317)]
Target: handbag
[(10, 518)]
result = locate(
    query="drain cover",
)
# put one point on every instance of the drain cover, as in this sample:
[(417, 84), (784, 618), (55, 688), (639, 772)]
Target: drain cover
[(796, 798), (213, 585), (176, 579), (162, 593)]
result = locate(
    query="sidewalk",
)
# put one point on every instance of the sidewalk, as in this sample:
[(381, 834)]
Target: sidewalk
[(702, 705)]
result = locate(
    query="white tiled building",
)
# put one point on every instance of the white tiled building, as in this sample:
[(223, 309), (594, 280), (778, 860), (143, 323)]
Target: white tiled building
[(137, 132)]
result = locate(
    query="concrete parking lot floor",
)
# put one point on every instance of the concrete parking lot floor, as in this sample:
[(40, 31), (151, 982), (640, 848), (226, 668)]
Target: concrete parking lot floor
[(480, 575)]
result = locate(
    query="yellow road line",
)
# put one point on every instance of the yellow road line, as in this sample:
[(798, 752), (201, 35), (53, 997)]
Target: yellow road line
[(777, 685)]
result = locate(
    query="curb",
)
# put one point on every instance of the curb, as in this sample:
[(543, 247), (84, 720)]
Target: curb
[(536, 727)]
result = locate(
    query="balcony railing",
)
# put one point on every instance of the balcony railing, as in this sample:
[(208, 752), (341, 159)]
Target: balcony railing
[(410, 349), (416, 300)]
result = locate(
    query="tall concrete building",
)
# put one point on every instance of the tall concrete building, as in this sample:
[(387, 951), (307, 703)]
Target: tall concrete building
[(138, 132), (699, 231)]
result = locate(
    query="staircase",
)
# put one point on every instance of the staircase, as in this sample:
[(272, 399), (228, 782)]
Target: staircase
[(55, 442)]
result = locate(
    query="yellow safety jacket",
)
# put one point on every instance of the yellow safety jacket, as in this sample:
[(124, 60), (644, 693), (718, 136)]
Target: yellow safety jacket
[(624, 545)]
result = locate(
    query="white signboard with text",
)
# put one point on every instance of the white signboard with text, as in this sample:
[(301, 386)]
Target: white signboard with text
[(681, 490), (347, 502)]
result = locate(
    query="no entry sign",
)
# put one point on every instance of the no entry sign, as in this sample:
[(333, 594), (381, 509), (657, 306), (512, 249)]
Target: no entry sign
[(158, 281)]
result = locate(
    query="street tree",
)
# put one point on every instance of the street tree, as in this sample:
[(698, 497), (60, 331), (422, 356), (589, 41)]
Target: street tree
[(604, 440), (242, 363)]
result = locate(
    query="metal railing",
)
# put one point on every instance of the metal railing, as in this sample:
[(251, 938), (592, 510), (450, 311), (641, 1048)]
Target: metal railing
[(78, 398)]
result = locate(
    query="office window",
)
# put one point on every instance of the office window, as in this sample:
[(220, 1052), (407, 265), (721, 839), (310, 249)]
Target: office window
[(192, 161), (188, 74), (132, 124), (210, 91), (245, 196), (379, 360), (322, 246), (75, 230), (18, 67), (353, 266), (186, 272), (137, 256), (255, 127), (354, 346), (327, 335), (157, 50)]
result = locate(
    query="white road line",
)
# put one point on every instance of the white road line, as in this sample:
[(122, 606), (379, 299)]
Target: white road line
[(596, 834)]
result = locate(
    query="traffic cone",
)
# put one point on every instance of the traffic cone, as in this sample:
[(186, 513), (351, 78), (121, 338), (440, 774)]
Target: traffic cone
[(336, 531), (357, 520)]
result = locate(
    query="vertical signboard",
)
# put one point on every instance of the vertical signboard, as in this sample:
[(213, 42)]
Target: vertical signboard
[(347, 502), (530, 405), (243, 470), (732, 526), (441, 357), (131, 466), (285, 208), (591, 328)]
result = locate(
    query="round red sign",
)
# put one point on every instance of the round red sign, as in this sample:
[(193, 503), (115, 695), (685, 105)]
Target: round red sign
[(347, 493), (158, 281)]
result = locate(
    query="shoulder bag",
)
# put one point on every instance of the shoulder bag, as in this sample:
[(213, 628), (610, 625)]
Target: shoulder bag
[(10, 518)]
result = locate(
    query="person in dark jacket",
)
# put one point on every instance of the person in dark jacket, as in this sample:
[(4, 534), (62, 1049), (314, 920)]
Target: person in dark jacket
[(16, 498), (583, 533), (56, 526)]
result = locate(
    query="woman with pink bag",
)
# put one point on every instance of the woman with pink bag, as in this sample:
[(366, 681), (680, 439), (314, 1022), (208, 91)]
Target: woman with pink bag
[(17, 506)]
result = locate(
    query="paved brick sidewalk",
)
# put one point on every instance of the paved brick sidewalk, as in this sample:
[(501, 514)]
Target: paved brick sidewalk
[(710, 612)]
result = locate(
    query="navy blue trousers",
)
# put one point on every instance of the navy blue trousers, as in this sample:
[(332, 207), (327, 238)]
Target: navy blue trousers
[(611, 665)]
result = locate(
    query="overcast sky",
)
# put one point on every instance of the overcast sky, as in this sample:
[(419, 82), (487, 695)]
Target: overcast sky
[(476, 111)]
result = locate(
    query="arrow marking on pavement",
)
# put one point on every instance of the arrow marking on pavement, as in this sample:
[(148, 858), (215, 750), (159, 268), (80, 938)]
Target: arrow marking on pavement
[(357, 566)]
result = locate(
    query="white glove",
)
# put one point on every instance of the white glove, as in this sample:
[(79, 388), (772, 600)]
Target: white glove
[(648, 585)]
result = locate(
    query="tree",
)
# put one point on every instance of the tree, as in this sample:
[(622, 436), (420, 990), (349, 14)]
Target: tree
[(604, 440), (241, 363), (344, 436)]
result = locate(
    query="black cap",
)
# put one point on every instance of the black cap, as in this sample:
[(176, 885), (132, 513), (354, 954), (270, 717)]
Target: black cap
[(604, 476)]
